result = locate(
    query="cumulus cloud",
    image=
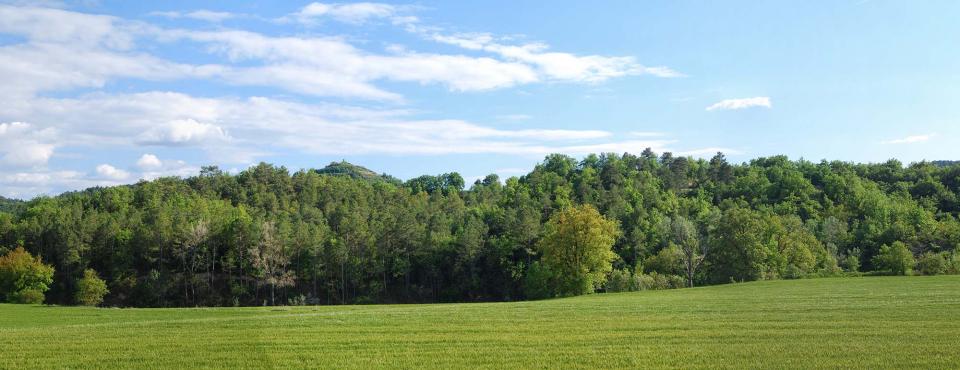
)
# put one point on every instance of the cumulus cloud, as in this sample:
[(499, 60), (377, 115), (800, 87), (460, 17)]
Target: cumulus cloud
[(112, 173), (913, 139), (733, 104), (153, 167), (149, 162)]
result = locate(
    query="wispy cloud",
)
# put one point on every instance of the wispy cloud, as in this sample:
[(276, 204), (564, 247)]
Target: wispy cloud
[(910, 139), (743, 103), (201, 15), (551, 65)]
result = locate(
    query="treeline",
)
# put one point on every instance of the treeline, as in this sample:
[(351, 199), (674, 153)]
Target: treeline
[(346, 235)]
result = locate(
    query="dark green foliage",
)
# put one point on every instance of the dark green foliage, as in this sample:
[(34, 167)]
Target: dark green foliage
[(344, 234), (10, 205)]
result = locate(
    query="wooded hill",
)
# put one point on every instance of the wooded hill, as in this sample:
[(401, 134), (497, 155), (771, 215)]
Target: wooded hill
[(344, 234)]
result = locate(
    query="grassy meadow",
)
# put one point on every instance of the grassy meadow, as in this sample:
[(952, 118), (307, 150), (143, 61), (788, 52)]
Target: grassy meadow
[(873, 322)]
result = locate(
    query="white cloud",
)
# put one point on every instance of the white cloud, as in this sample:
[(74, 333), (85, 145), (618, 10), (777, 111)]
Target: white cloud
[(354, 13), (184, 132), (67, 50), (28, 184), (262, 125), (732, 104), (149, 162), (554, 65), (326, 66), (22, 145), (201, 15), (61, 26), (28, 153), (913, 139), (112, 173), (153, 168)]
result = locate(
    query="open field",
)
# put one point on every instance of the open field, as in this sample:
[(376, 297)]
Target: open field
[(876, 322)]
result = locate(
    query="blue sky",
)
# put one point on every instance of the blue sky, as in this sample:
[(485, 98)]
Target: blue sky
[(105, 93)]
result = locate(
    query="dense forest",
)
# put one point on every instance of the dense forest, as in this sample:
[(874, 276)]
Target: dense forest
[(345, 234)]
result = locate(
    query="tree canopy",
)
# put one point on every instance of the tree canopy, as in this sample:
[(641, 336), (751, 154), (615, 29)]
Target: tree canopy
[(347, 235)]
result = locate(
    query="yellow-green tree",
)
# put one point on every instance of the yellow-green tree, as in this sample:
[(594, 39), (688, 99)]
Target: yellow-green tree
[(576, 248), (91, 289), (23, 278)]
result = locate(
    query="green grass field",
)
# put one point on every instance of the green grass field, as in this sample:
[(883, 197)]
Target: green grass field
[(875, 322)]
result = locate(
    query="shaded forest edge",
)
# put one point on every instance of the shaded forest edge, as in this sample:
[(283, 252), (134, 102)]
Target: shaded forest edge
[(344, 234)]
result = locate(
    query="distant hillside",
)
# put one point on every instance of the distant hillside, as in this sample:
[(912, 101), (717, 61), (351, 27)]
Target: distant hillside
[(945, 163), (10, 205), (344, 168)]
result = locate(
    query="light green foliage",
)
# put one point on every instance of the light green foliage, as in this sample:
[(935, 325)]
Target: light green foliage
[(625, 281), (91, 289), (23, 278), (576, 247), (896, 259), (760, 325), (931, 263), (668, 260), (851, 262)]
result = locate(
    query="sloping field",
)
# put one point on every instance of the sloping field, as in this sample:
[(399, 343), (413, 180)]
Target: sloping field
[(876, 322)]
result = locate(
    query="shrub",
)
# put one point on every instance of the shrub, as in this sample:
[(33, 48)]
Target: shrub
[(851, 263), (90, 289), (621, 281), (896, 259), (953, 263), (932, 263), (655, 281), (298, 300), (624, 281), (29, 296)]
